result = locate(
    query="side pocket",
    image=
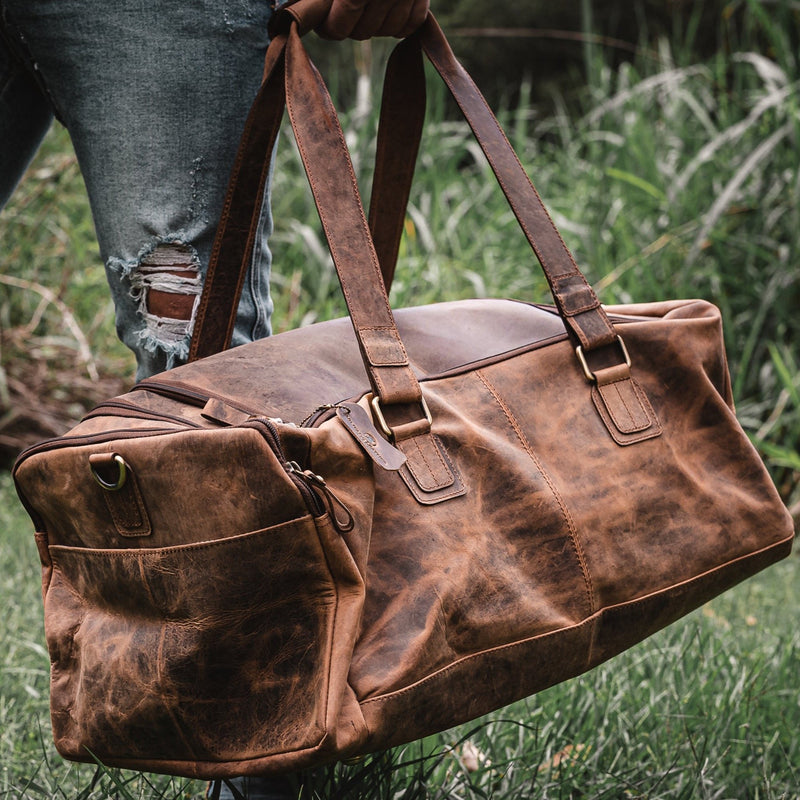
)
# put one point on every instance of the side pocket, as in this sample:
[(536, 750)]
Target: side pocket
[(208, 653)]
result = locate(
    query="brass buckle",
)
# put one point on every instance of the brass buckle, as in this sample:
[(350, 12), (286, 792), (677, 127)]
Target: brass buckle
[(375, 403), (587, 372)]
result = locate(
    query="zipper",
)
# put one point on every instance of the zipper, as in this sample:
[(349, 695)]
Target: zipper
[(192, 397), (180, 393), (317, 495), (138, 413), (60, 442)]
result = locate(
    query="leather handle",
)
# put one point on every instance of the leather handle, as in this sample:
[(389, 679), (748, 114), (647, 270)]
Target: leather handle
[(399, 135), (232, 251), (291, 78), (404, 93), (333, 183), (584, 318)]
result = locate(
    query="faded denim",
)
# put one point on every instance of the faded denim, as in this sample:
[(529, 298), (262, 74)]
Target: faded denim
[(154, 96)]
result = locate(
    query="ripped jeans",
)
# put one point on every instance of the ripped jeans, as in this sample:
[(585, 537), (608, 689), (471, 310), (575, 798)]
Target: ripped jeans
[(154, 96)]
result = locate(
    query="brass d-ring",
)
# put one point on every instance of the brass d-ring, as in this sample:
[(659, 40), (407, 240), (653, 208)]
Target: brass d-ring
[(122, 474)]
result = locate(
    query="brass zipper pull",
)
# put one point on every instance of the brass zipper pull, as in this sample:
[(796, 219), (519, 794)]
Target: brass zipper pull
[(340, 514)]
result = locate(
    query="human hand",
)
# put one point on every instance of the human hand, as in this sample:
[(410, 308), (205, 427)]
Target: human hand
[(362, 19)]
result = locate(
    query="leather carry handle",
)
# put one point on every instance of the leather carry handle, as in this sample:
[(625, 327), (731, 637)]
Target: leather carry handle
[(333, 183), (399, 134), (576, 300), (233, 247), (401, 118), (291, 77), (577, 303), (232, 251)]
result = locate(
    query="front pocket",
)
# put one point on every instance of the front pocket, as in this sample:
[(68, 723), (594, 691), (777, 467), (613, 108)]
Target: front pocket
[(218, 651)]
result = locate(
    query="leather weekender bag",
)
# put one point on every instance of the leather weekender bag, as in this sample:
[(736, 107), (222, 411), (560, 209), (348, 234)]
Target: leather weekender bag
[(355, 534)]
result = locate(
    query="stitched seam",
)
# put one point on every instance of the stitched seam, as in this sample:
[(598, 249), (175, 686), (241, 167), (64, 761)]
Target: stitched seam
[(633, 427), (573, 312), (436, 484), (591, 620), (395, 337), (414, 472), (627, 407), (618, 436), (133, 526), (645, 403), (119, 552), (632, 421), (562, 506), (645, 408), (439, 496), (578, 309)]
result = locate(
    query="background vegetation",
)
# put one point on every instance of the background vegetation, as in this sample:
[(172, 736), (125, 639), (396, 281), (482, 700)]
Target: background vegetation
[(672, 171)]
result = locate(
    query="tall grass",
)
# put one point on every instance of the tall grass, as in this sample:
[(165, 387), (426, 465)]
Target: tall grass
[(52, 282), (668, 179)]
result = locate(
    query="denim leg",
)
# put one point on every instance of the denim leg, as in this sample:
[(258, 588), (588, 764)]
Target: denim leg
[(25, 117), (154, 96)]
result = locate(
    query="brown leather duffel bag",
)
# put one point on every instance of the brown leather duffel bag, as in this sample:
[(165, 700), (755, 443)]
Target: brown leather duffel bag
[(349, 536)]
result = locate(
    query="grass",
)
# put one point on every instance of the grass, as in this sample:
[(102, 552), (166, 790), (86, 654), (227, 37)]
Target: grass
[(668, 179)]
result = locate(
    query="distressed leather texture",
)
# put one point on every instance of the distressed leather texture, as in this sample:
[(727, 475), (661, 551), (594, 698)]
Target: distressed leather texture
[(275, 583)]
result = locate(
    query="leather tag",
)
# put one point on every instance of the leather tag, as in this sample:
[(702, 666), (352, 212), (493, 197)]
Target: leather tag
[(358, 421)]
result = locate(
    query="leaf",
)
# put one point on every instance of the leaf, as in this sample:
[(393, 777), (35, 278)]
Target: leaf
[(635, 180), (569, 756)]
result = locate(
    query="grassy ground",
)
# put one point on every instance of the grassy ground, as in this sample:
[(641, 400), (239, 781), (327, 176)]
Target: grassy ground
[(669, 179)]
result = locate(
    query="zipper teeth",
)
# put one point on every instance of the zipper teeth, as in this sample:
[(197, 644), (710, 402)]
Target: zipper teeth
[(140, 413), (320, 415), (310, 496)]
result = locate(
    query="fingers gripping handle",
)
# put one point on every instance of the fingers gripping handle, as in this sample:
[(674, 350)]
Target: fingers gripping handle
[(305, 14)]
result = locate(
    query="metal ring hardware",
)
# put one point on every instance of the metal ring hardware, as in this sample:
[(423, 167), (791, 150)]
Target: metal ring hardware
[(121, 475), (375, 402), (587, 372)]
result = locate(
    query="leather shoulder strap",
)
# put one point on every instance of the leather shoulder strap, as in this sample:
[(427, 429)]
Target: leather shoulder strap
[(232, 251)]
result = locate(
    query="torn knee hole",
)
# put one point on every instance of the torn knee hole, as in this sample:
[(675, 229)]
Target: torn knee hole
[(167, 282)]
